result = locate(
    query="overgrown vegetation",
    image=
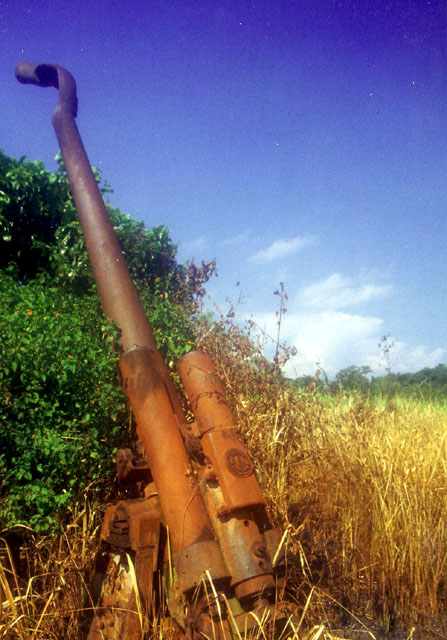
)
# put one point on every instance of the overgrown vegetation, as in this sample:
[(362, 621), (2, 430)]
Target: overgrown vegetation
[(62, 412), (358, 482)]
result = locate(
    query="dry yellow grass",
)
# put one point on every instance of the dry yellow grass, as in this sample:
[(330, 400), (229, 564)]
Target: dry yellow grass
[(361, 485), (44, 598), (364, 491), (361, 489)]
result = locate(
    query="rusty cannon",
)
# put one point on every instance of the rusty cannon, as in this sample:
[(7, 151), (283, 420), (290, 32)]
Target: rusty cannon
[(200, 526)]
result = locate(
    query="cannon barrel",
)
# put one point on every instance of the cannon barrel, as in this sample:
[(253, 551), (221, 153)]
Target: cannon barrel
[(218, 525), (146, 380)]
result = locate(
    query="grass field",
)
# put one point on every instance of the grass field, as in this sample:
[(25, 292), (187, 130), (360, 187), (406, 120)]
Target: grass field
[(362, 488), (360, 485)]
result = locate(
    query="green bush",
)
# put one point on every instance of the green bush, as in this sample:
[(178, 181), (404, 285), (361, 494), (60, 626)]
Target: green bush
[(62, 412)]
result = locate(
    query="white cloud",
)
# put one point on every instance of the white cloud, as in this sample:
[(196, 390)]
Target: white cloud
[(237, 239), (324, 336), (281, 249), (332, 339), (337, 292), (406, 358), (195, 244), (419, 357)]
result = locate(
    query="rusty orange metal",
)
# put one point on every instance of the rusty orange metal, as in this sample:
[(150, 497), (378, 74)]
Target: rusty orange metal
[(234, 470), (132, 529), (170, 465), (205, 392), (130, 469), (221, 445), (147, 382), (231, 492), (223, 551)]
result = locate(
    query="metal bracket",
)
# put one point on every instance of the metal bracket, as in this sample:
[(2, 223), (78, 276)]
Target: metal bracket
[(130, 469), (132, 527)]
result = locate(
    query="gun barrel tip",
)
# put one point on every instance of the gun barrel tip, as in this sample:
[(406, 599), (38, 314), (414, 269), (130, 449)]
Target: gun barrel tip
[(21, 71)]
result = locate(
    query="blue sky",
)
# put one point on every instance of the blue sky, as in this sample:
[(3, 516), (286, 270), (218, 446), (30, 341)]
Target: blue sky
[(299, 141)]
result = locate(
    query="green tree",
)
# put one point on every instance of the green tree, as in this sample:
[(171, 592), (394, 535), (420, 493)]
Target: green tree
[(62, 413), (33, 204), (429, 382), (353, 378)]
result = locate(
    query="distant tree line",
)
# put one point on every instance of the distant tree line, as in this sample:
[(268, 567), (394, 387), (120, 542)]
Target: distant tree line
[(429, 382)]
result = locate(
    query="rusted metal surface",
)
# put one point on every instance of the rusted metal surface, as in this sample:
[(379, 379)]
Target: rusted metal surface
[(223, 551), (149, 387), (171, 468), (234, 470), (274, 541), (221, 445), (242, 545), (231, 492), (132, 528), (193, 562), (205, 392), (130, 469), (117, 616)]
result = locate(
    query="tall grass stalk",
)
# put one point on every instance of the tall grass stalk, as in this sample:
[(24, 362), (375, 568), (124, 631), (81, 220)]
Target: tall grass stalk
[(361, 482), (364, 488)]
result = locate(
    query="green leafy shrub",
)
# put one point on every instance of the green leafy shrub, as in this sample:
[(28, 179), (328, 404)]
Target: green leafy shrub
[(62, 412), (40, 232)]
